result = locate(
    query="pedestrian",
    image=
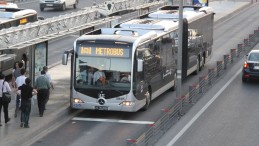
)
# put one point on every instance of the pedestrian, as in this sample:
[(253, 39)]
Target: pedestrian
[(26, 94), (16, 74), (17, 71), (47, 75), (19, 82), (42, 85), (4, 86)]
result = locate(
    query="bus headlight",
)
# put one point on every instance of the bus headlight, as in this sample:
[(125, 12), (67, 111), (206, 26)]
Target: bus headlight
[(78, 100), (127, 103)]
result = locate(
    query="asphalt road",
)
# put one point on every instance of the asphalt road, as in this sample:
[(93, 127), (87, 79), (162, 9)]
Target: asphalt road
[(231, 120), (112, 133)]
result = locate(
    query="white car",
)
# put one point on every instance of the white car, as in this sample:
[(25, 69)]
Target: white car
[(59, 4), (4, 4)]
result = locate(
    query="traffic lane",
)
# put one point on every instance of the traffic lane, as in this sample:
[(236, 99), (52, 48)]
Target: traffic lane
[(76, 133), (231, 119), (49, 12), (110, 131), (56, 48), (235, 30)]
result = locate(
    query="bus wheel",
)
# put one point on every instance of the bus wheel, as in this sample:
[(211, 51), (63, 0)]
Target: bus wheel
[(202, 63), (75, 5), (63, 8), (148, 99), (197, 66), (175, 83)]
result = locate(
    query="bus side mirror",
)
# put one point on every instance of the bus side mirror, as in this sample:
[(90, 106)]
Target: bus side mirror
[(140, 65), (64, 58)]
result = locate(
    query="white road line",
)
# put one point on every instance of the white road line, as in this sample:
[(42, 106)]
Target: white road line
[(112, 120), (188, 125)]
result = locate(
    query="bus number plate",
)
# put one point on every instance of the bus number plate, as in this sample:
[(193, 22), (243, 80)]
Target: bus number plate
[(103, 108)]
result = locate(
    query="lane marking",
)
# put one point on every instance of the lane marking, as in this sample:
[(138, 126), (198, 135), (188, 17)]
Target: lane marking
[(188, 125), (112, 120)]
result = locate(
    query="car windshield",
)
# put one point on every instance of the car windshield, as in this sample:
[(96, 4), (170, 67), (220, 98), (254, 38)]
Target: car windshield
[(253, 57)]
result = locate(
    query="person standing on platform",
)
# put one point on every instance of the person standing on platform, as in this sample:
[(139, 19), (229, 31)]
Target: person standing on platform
[(26, 94), (4, 87), (47, 75), (16, 74), (42, 85), (19, 82)]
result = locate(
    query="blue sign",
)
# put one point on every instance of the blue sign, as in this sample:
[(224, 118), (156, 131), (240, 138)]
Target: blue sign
[(200, 3)]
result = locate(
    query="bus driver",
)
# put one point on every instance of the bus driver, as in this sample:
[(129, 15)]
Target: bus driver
[(99, 76)]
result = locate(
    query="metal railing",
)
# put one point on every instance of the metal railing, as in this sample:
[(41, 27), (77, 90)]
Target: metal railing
[(172, 114), (64, 24)]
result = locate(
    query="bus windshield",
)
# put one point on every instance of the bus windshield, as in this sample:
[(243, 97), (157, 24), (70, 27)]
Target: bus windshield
[(103, 67)]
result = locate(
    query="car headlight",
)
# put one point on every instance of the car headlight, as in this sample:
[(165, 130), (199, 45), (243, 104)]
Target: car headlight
[(127, 103), (78, 100)]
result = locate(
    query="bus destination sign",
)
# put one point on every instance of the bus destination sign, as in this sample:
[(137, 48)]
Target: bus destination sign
[(105, 52)]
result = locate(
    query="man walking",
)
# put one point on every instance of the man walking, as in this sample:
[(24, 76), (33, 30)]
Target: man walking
[(42, 85), (47, 75), (4, 87), (26, 94)]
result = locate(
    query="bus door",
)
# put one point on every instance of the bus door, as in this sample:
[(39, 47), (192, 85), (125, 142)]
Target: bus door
[(168, 60), (192, 54)]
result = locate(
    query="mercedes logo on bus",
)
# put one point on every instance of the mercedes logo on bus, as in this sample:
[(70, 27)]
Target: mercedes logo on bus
[(101, 101)]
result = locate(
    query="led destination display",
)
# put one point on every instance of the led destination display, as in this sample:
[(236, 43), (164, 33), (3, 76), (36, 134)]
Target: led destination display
[(105, 52)]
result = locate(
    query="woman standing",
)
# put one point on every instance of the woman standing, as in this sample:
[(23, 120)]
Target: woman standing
[(26, 94), (4, 87)]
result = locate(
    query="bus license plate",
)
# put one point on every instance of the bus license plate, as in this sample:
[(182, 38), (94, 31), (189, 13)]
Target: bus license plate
[(103, 108)]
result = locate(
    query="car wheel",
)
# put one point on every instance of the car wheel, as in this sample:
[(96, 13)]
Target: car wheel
[(148, 99), (41, 9)]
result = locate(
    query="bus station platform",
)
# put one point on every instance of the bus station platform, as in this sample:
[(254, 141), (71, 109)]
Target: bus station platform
[(57, 109)]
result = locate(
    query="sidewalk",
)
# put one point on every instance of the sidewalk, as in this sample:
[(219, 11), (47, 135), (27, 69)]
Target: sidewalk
[(57, 108)]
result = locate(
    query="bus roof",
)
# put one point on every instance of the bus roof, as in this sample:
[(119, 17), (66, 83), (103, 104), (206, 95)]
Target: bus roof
[(149, 24), (107, 37), (188, 13), (120, 35), (7, 14)]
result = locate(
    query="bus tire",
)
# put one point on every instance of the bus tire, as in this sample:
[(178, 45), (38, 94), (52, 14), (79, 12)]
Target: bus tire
[(75, 5), (197, 66), (202, 63), (175, 83), (63, 8), (148, 100)]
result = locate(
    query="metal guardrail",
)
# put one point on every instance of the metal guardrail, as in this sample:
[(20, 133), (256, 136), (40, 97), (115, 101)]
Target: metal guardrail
[(172, 114), (64, 24)]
